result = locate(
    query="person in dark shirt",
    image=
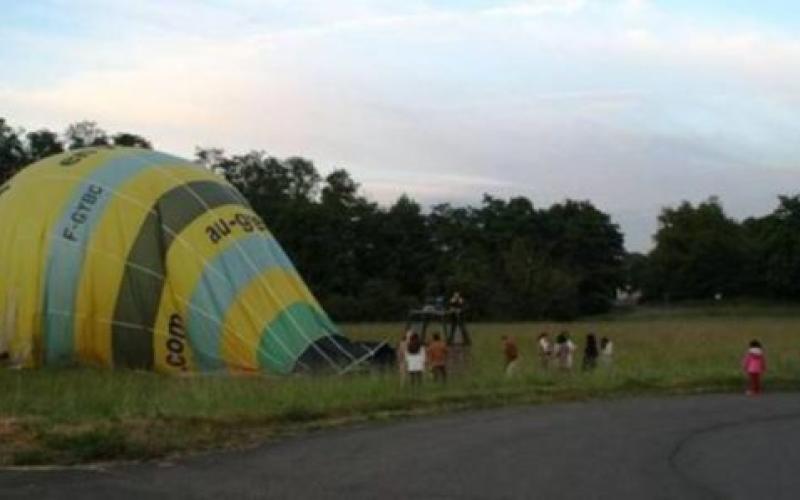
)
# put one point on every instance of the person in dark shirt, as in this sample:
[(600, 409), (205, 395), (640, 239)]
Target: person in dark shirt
[(590, 353)]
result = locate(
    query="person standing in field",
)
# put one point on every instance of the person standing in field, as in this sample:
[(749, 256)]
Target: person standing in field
[(754, 365), (590, 353), (437, 358), (606, 352), (415, 360), (545, 350), (402, 347), (457, 302), (511, 354), (564, 351), (456, 311)]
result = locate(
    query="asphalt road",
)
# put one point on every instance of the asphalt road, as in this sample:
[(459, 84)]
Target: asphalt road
[(684, 448)]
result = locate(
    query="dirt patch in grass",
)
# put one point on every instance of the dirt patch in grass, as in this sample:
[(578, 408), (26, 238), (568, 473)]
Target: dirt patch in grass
[(20, 445)]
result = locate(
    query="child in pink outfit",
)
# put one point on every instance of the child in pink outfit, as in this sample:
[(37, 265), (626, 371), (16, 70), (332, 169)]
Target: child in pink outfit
[(754, 364)]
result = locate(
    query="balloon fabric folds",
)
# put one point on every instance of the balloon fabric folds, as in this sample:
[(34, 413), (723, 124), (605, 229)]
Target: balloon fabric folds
[(130, 258)]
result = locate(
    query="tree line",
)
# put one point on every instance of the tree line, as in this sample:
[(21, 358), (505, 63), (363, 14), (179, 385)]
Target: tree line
[(512, 260), (368, 262), (701, 253)]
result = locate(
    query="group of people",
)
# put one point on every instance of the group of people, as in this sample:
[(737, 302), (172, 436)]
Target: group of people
[(561, 352), (414, 357)]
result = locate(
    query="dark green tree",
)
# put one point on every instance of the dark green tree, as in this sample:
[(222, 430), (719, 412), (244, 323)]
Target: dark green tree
[(303, 177), (43, 143), (584, 241), (406, 244), (131, 140), (13, 154), (699, 253), (636, 272), (774, 242)]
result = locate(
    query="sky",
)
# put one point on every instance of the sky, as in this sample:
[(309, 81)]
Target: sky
[(632, 104)]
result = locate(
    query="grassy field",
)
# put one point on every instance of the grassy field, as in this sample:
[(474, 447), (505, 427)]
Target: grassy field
[(75, 416)]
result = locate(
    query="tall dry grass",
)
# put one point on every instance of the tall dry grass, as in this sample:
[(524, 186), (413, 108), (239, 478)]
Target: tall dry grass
[(83, 415)]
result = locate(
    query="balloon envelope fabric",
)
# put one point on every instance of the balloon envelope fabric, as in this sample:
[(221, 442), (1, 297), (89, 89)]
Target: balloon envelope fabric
[(126, 257)]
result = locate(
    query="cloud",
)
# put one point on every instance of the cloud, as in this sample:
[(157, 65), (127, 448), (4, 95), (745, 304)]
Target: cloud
[(624, 103)]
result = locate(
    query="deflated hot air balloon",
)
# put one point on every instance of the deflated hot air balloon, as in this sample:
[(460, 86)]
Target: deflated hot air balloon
[(124, 257)]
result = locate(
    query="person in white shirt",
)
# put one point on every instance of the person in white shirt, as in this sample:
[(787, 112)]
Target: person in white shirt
[(402, 347), (415, 360), (564, 351), (545, 350), (606, 351)]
